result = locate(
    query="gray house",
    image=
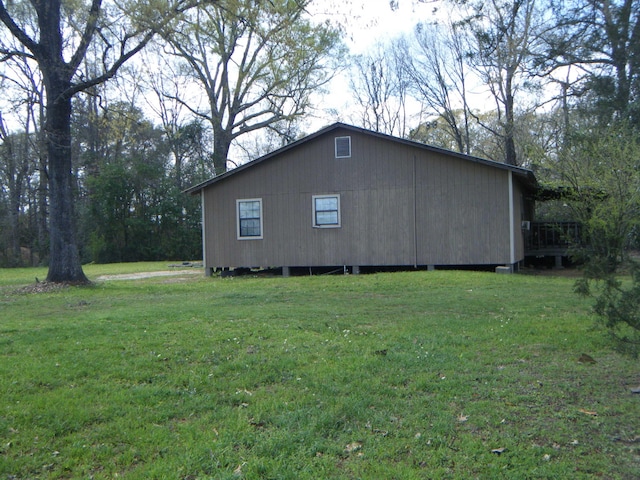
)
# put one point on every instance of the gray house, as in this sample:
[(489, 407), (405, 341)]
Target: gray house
[(349, 197)]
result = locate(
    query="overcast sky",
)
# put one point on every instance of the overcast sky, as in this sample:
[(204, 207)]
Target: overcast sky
[(374, 20), (365, 23)]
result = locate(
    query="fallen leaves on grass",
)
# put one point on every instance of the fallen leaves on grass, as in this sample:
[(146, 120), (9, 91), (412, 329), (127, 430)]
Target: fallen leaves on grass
[(584, 358), (588, 412), (628, 440), (353, 447), (384, 433), (43, 287)]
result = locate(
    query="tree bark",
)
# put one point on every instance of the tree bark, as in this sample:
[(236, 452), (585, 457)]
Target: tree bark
[(64, 263), (221, 147), (509, 128)]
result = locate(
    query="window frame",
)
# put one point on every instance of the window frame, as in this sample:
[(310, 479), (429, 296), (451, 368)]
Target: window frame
[(239, 220), (314, 218), (348, 138)]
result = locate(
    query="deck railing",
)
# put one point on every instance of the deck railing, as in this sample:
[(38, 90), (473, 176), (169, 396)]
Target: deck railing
[(551, 238)]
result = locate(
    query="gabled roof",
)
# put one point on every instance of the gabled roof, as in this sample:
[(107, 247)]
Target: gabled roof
[(527, 175)]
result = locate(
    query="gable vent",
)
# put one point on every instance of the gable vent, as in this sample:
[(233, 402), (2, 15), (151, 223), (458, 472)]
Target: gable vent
[(343, 147)]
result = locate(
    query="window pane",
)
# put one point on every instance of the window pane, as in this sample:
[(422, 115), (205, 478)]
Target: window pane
[(327, 218), (250, 209), (329, 203), (250, 228)]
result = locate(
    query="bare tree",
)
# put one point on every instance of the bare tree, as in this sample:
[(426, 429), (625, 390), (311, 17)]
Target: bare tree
[(380, 88), (14, 171), (506, 38), (437, 68), (601, 40), (165, 91), (23, 163), (257, 64)]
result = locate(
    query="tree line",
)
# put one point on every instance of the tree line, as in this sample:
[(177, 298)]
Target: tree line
[(506, 80)]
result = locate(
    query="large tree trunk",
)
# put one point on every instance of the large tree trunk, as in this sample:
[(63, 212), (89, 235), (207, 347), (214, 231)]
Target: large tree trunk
[(221, 146), (509, 128), (64, 263)]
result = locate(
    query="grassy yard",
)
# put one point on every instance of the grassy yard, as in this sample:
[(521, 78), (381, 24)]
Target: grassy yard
[(390, 376)]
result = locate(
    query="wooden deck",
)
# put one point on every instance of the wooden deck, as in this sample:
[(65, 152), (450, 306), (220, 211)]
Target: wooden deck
[(551, 239)]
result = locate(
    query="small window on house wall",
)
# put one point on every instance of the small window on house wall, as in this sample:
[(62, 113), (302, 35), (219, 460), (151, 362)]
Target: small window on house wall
[(326, 211), (249, 216), (343, 147)]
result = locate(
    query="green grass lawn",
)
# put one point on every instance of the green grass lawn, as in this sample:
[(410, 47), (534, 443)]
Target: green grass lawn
[(405, 375)]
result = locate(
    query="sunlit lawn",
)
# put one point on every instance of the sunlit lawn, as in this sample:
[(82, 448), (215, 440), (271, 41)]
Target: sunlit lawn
[(405, 375)]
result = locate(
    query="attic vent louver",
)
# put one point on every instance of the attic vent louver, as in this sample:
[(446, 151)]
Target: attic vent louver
[(343, 147)]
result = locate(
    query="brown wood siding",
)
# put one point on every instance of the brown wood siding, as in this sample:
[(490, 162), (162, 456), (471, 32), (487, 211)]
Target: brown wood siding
[(461, 208), (463, 213)]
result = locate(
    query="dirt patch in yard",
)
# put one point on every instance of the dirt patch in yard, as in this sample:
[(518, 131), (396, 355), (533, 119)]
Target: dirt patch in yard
[(141, 275)]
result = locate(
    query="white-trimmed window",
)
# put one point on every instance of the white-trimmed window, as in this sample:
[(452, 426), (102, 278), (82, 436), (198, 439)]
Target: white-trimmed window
[(343, 147), (249, 215), (326, 211)]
